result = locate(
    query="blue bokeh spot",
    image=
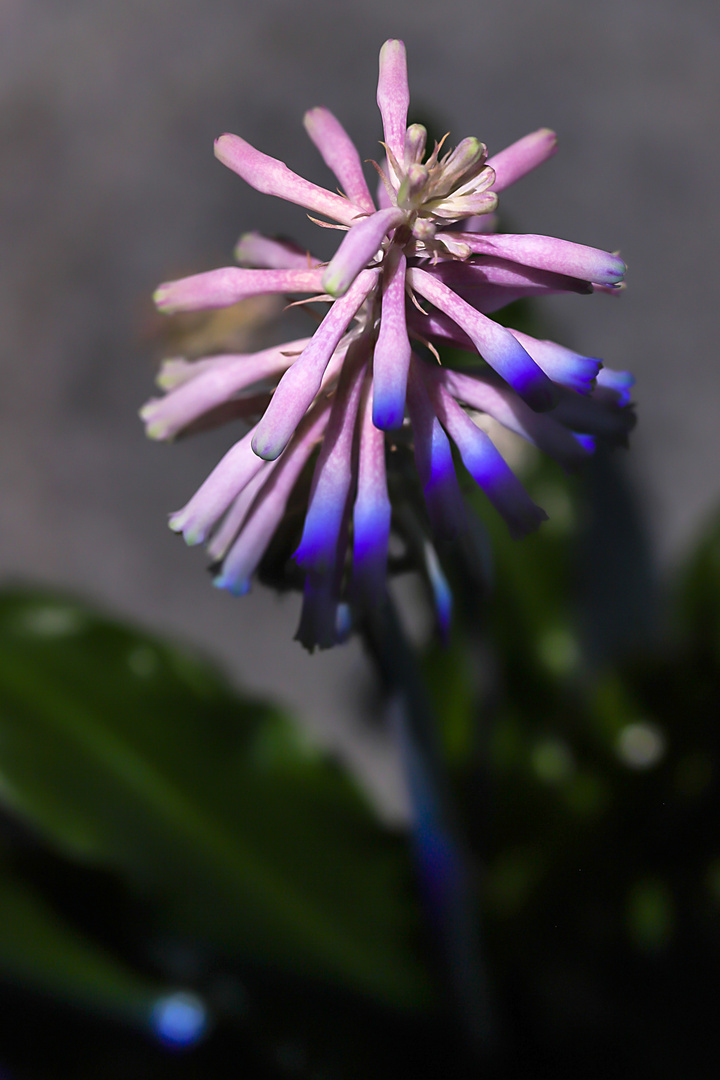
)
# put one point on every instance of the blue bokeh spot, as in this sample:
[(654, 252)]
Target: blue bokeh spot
[(179, 1019)]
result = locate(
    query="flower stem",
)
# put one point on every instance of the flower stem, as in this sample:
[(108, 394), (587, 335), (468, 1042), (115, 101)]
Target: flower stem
[(440, 854)]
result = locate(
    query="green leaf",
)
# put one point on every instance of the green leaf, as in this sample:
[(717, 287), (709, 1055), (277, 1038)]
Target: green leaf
[(132, 755), (41, 952)]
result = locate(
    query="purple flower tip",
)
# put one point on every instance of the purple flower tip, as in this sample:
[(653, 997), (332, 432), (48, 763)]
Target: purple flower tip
[(388, 413)]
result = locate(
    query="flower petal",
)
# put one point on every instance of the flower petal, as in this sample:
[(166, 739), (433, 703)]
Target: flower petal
[(436, 326), (490, 270), (371, 511), (562, 365), (261, 252), (215, 384), (495, 344), (272, 177), (214, 496), (434, 462), (486, 223), (340, 155), (324, 620), (522, 157), (269, 506), (614, 387), (549, 253), (228, 530), (322, 548), (221, 288), (486, 466), (591, 416), (176, 370), (358, 248), (393, 96), (301, 382), (488, 395), (392, 350), (333, 475), (491, 298), (246, 407)]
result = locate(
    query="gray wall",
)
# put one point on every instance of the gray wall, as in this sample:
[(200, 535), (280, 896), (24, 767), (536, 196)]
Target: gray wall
[(108, 185)]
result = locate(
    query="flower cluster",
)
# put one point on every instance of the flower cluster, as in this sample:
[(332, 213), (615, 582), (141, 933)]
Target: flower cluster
[(421, 269)]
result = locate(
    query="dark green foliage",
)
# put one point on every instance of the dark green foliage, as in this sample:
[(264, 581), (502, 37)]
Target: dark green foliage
[(162, 832), (200, 820)]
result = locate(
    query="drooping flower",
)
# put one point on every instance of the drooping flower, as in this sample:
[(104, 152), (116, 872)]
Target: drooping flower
[(420, 270)]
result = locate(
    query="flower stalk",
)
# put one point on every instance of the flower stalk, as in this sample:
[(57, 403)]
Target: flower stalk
[(441, 858)]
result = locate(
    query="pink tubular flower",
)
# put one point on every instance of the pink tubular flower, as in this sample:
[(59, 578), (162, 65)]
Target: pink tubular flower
[(423, 270)]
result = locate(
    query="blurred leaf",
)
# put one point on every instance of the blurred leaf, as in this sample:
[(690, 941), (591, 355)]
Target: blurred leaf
[(529, 615), (650, 915), (135, 756), (699, 595), (41, 952), (450, 680), (618, 593)]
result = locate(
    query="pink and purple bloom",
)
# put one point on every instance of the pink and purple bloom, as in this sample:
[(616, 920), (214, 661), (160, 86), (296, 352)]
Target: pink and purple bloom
[(418, 268)]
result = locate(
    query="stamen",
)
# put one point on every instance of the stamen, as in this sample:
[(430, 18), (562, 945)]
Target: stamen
[(386, 183), (328, 224)]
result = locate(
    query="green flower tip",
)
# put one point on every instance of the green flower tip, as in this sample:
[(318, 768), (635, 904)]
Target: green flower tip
[(333, 283), (162, 300)]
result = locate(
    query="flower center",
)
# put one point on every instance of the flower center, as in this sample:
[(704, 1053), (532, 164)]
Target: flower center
[(444, 189)]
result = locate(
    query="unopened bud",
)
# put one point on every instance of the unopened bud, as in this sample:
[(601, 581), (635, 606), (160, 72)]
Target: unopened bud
[(424, 229), (461, 165), (413, 186), (415, 140)]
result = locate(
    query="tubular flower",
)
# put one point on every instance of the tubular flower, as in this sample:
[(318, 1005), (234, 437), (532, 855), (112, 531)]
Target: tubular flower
[(420, 270)]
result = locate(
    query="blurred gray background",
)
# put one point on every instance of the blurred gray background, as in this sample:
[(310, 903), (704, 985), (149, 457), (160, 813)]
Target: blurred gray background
[(108, 185)]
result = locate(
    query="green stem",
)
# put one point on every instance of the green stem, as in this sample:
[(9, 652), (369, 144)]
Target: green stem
[(440, 854)]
